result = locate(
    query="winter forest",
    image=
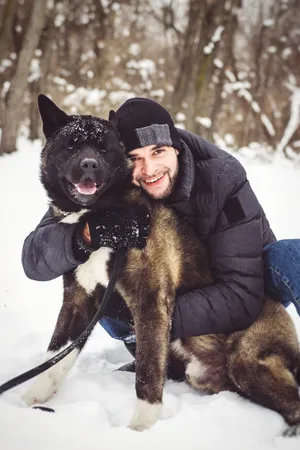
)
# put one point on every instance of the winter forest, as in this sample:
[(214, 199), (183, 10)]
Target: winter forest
[(226, 69)]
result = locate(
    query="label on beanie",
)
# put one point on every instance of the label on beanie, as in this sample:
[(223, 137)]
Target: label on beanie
[(154, 135)]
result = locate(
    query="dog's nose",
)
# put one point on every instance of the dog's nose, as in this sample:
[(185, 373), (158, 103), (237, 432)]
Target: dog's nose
[(89, 164)]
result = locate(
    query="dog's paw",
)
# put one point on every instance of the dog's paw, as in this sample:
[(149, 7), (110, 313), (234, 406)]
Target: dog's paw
[(292, 430), (41, 390), (145, 415), (48, 382)]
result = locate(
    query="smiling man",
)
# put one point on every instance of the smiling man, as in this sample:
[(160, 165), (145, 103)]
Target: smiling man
[(155, 169), (152, 142), (209, 188)]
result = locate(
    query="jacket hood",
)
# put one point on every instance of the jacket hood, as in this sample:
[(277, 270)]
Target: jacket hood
[(185, 178)]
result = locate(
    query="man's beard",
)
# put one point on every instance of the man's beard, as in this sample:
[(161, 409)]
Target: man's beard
[(167, 192)]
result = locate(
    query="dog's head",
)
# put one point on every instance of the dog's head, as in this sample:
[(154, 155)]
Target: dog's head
[(83, 158)]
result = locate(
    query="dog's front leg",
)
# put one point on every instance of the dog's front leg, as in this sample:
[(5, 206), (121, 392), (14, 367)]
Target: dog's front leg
[(152, 321), (75, 314)]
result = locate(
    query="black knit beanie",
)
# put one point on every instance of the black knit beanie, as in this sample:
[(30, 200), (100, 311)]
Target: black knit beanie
[(143, 122)]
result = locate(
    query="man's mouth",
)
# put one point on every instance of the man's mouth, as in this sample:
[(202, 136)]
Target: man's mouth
[(153, 180)]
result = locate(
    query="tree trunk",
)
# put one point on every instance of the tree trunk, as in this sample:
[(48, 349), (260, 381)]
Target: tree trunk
[(6, 45), (19, 81), (6, 36), (40, 85), (194, 90), (206, 72), (217, 77), (185, 86)]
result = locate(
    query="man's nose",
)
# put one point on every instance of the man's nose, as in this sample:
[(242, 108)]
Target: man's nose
[(149, 167)]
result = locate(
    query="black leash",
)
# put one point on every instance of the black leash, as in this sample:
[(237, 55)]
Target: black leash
[(118, 265)]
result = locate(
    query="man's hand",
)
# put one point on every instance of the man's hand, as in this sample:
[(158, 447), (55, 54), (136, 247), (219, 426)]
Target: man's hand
[(123, 226), (86, 234)]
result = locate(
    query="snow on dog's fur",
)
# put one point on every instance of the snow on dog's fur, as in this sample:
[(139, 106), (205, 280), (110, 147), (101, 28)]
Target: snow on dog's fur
[(261, 363)]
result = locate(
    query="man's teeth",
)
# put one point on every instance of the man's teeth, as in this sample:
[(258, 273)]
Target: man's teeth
[(153, 179)]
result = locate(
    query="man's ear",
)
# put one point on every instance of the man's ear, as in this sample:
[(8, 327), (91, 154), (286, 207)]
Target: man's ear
[(53, 118)]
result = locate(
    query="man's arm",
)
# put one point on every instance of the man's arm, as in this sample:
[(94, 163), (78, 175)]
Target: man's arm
[(48, 250), (55, 248), (235, 250)]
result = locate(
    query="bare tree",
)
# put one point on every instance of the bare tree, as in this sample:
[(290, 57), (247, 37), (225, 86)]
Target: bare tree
[(6, 42), (6, 35), (209, 32), (266, 64), (19, 81), (185, 87), (231, 66)]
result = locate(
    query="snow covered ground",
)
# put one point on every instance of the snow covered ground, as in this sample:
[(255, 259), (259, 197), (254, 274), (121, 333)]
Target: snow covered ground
[(95, 403)]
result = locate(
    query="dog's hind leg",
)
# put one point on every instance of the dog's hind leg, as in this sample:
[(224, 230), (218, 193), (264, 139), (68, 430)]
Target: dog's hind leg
[(205, 362), (264, 360), (270, 381), (75, 314), (152, 321)]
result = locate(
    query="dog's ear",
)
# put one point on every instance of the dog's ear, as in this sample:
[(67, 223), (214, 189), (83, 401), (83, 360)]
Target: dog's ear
[(53, 118), (112, 117)]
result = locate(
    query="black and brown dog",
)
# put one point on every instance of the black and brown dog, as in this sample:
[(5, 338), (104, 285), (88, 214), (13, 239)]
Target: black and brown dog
[(261, 363)]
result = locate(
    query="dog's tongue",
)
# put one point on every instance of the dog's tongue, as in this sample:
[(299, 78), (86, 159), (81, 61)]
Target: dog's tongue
[(87, 187)]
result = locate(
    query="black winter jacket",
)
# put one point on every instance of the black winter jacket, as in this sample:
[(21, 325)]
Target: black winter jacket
[(214, 195)]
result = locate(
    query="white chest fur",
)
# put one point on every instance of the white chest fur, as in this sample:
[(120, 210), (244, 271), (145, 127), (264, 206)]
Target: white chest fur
[(94, 271)]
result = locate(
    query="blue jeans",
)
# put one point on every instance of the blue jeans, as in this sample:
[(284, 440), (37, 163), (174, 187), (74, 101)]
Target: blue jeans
[(282, 271), (118, 329)]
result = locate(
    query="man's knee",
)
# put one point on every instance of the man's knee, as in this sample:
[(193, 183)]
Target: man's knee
[(282, 251), (282, 270)]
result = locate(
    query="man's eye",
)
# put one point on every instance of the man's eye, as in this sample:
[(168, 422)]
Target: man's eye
[(134, 158), (158, 151)]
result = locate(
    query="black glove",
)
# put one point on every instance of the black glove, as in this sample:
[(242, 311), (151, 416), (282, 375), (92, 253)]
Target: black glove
[(119, 227)]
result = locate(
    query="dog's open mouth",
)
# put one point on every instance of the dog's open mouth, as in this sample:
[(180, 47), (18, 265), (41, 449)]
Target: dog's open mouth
[(87, 187), (84, 191)]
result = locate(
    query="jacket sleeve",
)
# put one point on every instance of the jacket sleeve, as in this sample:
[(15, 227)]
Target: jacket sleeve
[(47, 251), (235, 249)]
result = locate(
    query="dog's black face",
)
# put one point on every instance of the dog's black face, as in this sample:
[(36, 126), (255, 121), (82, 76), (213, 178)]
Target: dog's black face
[(82, 159)]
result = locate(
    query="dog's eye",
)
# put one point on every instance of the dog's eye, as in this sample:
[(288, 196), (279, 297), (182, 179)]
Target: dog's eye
[(70, 147)]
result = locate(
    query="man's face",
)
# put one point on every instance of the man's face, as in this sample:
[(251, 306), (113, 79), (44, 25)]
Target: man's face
[(155, 169)]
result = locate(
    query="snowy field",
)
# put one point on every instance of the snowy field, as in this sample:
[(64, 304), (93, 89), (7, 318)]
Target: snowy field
[(95, 403)]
